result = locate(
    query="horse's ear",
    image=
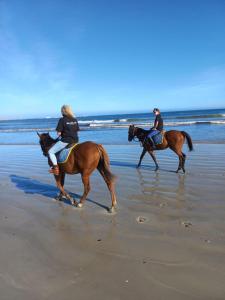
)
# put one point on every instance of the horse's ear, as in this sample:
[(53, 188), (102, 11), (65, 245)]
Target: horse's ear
[(38, 134)]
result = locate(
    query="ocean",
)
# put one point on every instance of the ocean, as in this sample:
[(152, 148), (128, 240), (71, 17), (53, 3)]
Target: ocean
[(202, 125)]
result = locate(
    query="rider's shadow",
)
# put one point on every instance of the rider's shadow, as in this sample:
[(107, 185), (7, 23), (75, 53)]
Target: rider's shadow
[(33, 186)]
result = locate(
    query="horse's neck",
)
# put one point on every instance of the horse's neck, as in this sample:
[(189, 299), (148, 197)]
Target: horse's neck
[(141, 134), (145, 131), (51, 144)]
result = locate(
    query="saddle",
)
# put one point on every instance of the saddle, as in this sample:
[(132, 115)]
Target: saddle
[(64, 154), (158, 138)]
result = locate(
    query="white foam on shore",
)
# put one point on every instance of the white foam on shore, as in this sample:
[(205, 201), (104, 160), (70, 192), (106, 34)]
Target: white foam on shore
[(121, 123)]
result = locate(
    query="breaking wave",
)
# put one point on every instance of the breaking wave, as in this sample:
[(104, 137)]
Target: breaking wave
[(201, 116), (122, 123)]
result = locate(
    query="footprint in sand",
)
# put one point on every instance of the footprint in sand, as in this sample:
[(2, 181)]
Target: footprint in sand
[(141, 219), (186, 224)]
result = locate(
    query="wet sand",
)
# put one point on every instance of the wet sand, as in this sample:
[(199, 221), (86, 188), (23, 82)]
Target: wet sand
[(166, 241)]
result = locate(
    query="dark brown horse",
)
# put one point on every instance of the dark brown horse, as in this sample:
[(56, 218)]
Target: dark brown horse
[(172, 139), (83, 159)]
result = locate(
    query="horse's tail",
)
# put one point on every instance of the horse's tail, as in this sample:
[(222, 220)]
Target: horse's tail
[(189, 140), (104, 164)]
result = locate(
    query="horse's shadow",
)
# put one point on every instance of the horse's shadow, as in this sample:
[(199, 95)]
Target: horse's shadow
[(33, 186)]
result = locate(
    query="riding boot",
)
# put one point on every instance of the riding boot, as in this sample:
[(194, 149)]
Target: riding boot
[(151, 142), (54, 170)]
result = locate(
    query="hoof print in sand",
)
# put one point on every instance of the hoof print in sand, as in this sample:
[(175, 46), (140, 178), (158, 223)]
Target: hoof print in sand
[(141, 219), (186, 224)]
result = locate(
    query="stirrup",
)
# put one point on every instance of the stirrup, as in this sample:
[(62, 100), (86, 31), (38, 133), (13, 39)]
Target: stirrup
[(54, 170), (151, 143)]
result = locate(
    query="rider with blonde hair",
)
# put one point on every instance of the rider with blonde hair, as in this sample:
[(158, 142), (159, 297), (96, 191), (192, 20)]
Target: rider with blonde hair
[(67, 129)]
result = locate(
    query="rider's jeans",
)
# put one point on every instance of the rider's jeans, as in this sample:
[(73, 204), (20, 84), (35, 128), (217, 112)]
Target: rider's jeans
[(56, 148), (153, 132)]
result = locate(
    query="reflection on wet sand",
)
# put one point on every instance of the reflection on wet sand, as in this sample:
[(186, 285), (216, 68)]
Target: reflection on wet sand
[(166, 240)]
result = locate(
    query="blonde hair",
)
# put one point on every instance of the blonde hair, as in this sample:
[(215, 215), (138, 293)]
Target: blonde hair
[(66, 111)]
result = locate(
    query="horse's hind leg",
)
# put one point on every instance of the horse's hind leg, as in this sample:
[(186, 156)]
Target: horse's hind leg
[(111, 187), (181, 161), (86, 183), (184, 158)]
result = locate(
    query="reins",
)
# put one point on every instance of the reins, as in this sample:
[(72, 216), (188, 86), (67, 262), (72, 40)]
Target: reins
[(45, 147), (137, 139)]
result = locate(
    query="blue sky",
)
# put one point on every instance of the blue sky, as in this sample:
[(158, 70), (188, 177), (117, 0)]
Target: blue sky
[(110, 56)]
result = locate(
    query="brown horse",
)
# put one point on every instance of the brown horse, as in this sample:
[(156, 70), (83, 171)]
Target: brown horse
[(83, 159), (172, 139)]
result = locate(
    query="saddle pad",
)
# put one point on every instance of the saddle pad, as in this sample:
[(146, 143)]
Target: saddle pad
[(158, 138), (63, 155)]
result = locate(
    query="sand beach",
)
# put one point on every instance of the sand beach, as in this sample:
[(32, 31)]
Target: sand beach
[(166, 241), (115, 73)]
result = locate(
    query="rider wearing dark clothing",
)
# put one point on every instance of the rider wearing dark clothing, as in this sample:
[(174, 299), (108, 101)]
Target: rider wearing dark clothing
[(68, 126), (158, 124), (158, 127)]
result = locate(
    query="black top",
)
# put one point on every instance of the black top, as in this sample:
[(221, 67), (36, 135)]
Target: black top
[(68, 128), (160, 123)]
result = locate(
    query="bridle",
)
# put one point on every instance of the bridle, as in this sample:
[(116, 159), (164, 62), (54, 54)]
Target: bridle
[(46, 144), (134, 137), (43, 148), (132, 134)]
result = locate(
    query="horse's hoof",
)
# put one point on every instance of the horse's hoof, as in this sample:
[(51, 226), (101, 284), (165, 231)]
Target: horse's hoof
[(111, 210), (156, 169), (79, 205), (58, 198), (138, 166), (74, 203)]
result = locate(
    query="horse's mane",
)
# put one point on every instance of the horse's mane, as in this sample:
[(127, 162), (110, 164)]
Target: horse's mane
[(51, 140), (46, 141), (142, 131)]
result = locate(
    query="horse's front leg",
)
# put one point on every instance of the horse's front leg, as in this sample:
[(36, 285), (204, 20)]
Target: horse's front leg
[(154, 159), (60, 184), (141, 157), (86, 183), (62, 180)]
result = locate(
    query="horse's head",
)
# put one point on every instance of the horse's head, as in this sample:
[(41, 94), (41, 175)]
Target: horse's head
[(131, 132), (136, 132), (46, 142)]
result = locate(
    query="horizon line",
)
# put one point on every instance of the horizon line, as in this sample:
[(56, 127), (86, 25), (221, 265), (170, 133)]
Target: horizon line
[(106, 114)]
